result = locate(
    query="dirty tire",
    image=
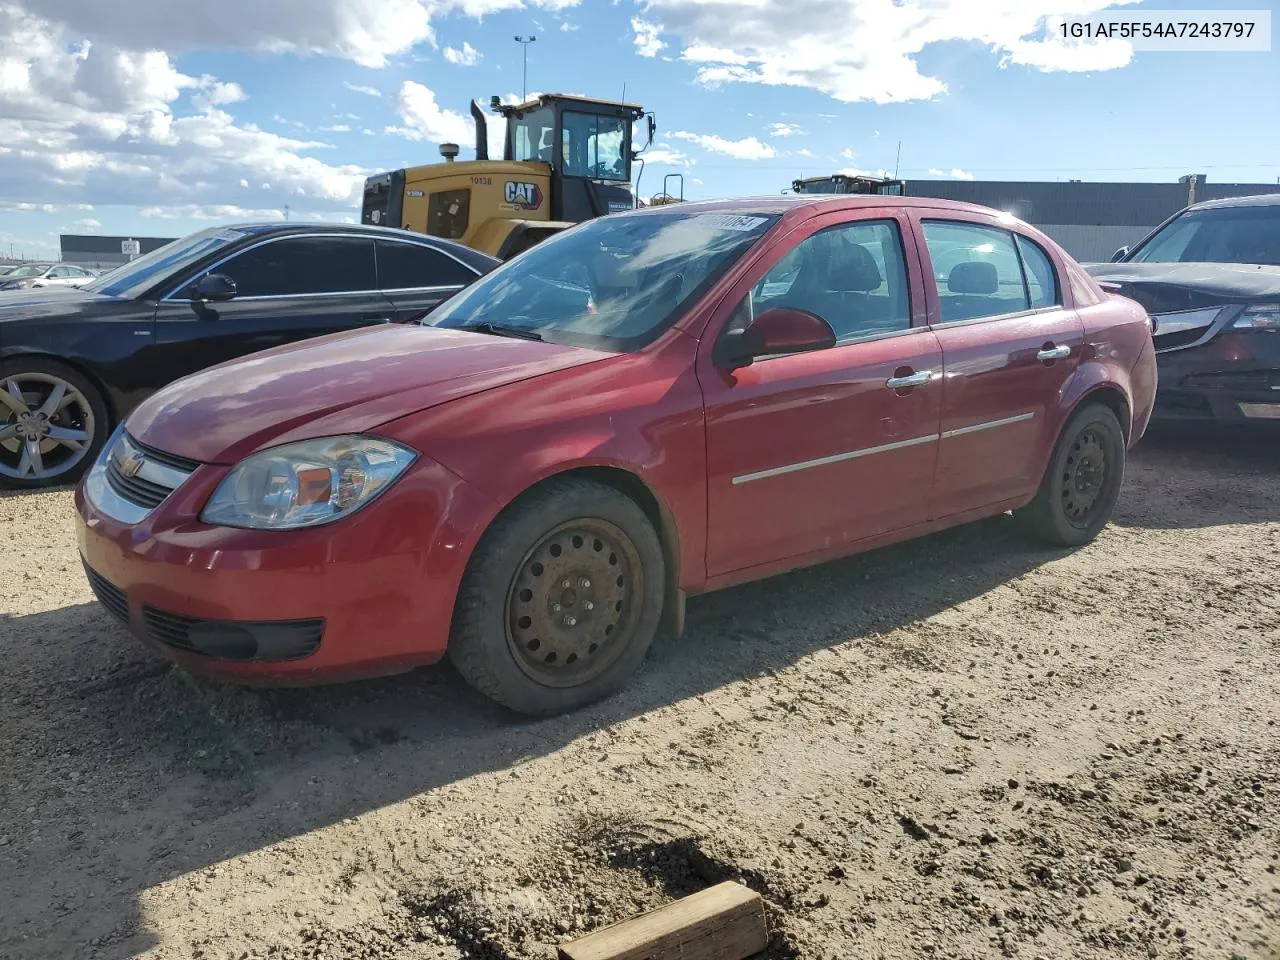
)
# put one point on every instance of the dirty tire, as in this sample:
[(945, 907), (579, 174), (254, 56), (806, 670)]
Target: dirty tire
[(561, 599), (1082, 483), (83, 413)]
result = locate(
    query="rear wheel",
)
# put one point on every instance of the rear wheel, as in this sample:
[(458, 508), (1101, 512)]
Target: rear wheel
[(53, 422), (561, 601), (1081, 486)]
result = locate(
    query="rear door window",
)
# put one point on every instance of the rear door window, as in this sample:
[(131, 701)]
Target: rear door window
[(296, 266), (410, 266)]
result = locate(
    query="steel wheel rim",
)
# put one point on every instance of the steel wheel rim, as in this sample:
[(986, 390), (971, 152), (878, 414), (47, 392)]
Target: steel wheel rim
[(571, 609), (46, 426), (1084, 478)]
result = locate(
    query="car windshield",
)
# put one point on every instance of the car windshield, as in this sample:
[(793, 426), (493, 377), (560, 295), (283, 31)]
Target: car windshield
[(138, 276), (30, 270), (1224, 235), (614, 284)]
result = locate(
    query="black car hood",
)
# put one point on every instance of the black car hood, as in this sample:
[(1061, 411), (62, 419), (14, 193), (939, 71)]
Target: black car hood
[(45, 301), (1168, 287)]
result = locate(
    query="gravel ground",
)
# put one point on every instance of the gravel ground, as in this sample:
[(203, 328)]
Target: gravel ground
[(962, 747)]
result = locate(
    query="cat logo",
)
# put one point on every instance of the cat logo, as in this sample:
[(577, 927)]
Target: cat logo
[(523, 196)]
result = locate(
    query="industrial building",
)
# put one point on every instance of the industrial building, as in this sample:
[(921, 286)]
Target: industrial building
[(102, 253)]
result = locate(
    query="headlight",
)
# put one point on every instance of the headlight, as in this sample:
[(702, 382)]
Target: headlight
[(306, 484), (1261, 316)]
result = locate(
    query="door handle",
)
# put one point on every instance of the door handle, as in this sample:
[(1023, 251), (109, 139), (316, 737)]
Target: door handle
[(376, 319), (1049, 354), (910, 380)]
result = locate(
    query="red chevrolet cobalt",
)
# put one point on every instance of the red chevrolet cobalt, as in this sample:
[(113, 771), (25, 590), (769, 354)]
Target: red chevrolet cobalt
[(647, 406)]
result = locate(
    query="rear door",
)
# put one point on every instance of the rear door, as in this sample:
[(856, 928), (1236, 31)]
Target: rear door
[(416, 277), (807, 452), (1009, 346), (287, 288)]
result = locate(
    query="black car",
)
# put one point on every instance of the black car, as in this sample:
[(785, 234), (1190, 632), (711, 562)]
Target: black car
[(1210, 278), (73, 362)]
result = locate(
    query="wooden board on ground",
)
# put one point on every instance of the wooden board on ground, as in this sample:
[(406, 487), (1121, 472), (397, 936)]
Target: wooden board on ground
[(724, 922)]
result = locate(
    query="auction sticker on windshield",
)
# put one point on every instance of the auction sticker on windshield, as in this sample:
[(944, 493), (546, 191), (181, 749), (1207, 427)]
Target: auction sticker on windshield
[(727, 221)]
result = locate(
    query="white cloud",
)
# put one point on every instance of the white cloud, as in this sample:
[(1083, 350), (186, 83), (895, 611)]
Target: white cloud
[(789, 42), (785, 129), (847, 153), (568, 27), (663, 154), (647, 39), (368, 32), (214, 93), (361, 88), (748, 148), (468, 56), (336, 128), (424, 119), (962, 174), (89, 123), (806, 152), (223, 211), (88, 223), (935, 172)]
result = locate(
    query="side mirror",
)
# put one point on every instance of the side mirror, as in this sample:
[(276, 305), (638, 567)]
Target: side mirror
[(214, 287), (1119, 254), (779, 330)]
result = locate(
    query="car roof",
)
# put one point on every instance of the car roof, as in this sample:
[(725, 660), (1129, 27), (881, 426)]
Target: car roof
[(1257, 200), (275, 228), (788, 204)]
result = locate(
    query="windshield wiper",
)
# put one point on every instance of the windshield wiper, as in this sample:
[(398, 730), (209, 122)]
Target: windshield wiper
[(502, 330)]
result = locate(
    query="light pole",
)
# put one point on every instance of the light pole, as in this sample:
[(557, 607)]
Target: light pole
[(524, 82)]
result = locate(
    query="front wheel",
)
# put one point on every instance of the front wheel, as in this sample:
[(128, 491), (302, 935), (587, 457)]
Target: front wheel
[(53, 422), (1082, 483), (561, 600)]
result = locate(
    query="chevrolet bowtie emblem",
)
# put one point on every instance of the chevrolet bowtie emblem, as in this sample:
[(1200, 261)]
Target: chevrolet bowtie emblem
[(131, 463)]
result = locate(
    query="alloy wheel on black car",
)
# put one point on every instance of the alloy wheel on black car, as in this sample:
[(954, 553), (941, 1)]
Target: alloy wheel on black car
[(52, 423)]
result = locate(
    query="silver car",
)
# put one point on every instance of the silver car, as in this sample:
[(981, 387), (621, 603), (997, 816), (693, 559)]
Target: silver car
[(30, 275)]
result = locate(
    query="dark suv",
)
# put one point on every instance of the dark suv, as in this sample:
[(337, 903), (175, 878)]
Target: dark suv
[(74, 362), (1210, 278)]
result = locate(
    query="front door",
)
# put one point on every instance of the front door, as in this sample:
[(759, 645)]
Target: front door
[(807, 452), (1009, 348), (287, 289)]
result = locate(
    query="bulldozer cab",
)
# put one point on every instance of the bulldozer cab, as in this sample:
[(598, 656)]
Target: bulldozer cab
[(850, 183), (565, 159), (587, 144)]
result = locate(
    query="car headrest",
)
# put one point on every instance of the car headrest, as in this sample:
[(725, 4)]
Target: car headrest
[(853, 270), (973, 276)]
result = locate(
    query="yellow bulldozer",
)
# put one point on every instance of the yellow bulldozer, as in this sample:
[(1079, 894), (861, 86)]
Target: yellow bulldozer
[(565, 159)]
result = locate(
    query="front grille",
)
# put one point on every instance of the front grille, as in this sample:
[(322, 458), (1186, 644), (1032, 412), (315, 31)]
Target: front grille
[(168, 459), (243, 640), (108, 594), (168, 628), (155, 476), (134, 489)]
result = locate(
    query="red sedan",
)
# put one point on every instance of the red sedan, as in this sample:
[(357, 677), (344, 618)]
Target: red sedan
[(650, 405)]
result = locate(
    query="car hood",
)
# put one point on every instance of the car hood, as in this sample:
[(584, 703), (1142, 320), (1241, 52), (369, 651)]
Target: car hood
[(1168, 287), (43, 301), (347, 382)]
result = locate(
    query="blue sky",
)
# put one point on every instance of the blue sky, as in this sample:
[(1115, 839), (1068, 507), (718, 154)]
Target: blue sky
[(136, 121)]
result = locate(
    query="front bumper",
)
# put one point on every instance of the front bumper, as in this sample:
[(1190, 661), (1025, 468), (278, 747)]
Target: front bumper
[(368, 595), (1233, 377)]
